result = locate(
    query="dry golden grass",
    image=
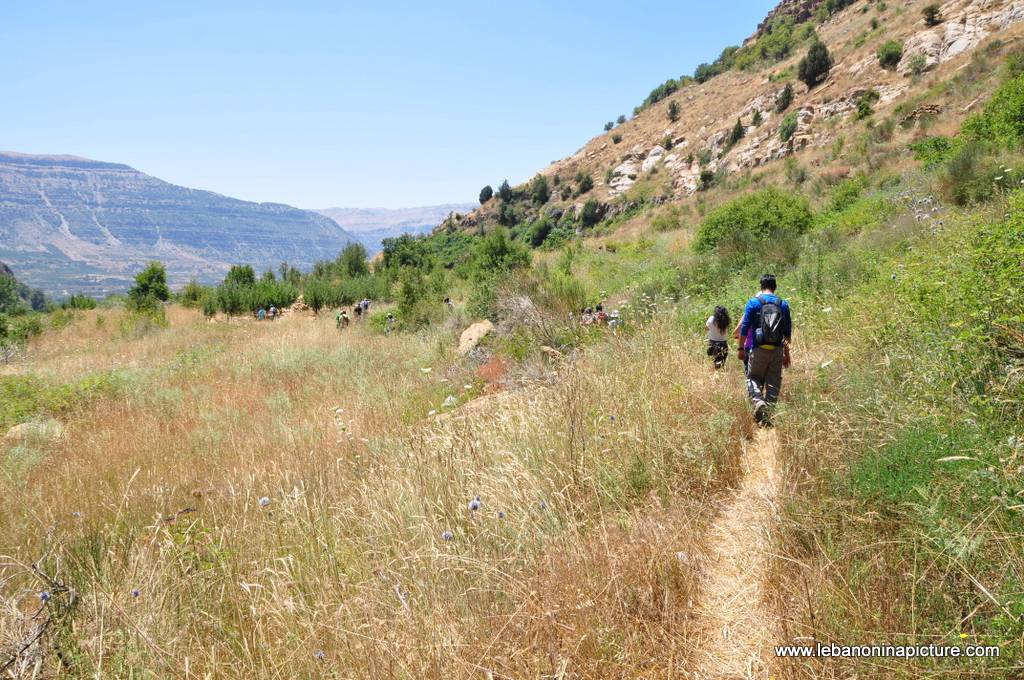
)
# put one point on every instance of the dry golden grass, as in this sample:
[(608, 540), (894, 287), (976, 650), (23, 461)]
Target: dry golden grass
[(603, 472)]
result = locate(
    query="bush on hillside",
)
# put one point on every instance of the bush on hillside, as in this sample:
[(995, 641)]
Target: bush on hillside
[(889, 54), (757, 118), (673, 111), (540, 191), (737, 133), (540, 231), (784, 98), (616, 138), (505, 191), (755, 226), (932, 14), (1002, 119), (584, 183), (590, 213), (486, 194), (815, 66), (621, 119), (787, 128), (608, 126), (865, 105)]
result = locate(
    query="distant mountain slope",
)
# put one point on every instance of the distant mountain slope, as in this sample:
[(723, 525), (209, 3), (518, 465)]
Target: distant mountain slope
[(373, 225), (73, 224)]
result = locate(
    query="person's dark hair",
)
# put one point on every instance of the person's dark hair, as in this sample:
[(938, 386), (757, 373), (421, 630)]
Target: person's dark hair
[(722, 319), (768, 282), (600, 308)]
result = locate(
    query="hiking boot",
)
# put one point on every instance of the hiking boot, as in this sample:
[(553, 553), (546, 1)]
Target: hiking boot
[(761, 415)]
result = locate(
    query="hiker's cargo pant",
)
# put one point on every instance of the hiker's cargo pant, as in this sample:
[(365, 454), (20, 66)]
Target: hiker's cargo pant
[(764, 375)]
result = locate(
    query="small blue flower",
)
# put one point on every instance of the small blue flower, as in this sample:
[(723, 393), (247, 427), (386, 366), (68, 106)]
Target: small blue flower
[(542, 505), (319, 655), (44, 596), (501, 514), (474, 504), (264, 502), (447, 536), (136, 592)]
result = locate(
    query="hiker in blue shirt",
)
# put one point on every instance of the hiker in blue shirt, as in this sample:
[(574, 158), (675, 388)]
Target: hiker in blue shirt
[(767, 315)]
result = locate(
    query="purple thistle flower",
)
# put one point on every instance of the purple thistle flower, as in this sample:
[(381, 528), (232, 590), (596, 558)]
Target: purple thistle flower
[(447, 536), (474, 504), (501, 514), (136, 592), (319, 655), (542, 505), (44, 596)]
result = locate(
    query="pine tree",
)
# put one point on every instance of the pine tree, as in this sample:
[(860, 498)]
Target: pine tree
[(815, 66)]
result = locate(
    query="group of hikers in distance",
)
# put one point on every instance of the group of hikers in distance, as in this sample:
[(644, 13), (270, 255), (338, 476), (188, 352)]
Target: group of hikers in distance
[(764, 333), (265, 314), (590, 316), (359, 310)]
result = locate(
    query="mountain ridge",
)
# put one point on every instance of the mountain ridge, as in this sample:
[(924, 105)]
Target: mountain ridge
[(73, 224)]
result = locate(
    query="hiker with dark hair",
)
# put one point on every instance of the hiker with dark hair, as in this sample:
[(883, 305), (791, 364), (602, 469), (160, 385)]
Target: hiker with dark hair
[(718, 342), (358, 310), (768, 321), (600, 316)]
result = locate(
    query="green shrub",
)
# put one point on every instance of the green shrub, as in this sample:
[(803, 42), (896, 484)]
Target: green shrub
[(608, 126), (932, 14), (1002, 119), (616, 138), (192, 294), (737, 133), (757, 119), (505, 191), (865, 105), (79, 301), (539, 231), (240, 275), (584, 183), (590, 214), (918, 64), (707, 180), (738, 228), (787, 128), (932, 151), (784, 98), (620, 120), (150, 288), (486, 194), (815, 66), (673, 111), (974, 174), (540, 192), (353, 261), (889, 54)]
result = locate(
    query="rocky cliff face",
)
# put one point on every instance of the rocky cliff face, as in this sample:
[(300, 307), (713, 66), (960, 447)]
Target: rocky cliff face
[(800, 10), (70, 224)]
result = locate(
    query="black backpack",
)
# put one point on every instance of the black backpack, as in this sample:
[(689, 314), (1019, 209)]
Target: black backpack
[(769, 332)]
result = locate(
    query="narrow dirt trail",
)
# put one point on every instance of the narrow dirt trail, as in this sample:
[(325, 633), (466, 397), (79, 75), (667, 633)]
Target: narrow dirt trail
[(737, 629)]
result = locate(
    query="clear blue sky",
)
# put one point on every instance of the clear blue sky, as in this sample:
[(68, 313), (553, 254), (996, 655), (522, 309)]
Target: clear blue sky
[(323, 104)]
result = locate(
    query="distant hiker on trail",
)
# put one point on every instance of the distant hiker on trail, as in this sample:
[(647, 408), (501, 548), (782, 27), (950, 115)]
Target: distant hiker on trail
[(600, 317), (273, 313), (449, 304), (587, 316), (768, 316), (261, 315), (365, 304), (614, 319), (358, 310), (718, 342), (341, 321), (389, 324)]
